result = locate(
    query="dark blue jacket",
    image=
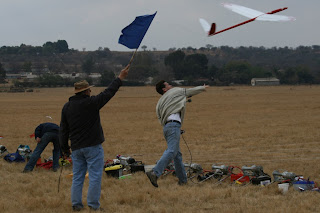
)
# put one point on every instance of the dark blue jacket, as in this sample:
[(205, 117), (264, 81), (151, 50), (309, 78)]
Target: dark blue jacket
[(80, 119), (44, 128)]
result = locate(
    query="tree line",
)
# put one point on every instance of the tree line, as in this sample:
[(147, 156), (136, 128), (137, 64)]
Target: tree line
[(212, 65)]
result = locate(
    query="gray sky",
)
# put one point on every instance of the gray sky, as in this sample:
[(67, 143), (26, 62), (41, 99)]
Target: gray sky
[(92, 24)]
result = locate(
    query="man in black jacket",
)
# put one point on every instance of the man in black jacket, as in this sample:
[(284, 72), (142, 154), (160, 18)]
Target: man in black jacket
[(44, 134), (80, 122)]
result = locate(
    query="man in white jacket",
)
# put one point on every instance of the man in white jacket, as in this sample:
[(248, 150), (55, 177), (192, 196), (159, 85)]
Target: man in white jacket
[(170, 112)]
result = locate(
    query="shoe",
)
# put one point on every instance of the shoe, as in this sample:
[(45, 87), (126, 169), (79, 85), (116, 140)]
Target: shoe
[(98, 209), (76, 208), (182, 183), (26, 171), (55, 169), (153, 178)]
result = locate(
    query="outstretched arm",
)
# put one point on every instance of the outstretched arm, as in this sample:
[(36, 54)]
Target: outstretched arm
[(196, 90)]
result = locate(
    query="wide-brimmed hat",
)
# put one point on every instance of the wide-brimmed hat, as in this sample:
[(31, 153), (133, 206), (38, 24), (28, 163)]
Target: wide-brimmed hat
[(81, 86)]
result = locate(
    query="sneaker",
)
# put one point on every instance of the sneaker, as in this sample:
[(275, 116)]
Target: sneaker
[(98, 209), (153, 178), (182, 183), (77, 208), (26, 171), (55, 169)]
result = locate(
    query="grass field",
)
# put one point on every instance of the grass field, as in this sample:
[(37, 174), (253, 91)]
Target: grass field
[(275, 127)]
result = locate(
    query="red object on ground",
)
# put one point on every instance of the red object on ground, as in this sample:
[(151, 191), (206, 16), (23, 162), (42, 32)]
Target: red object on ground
[(235, 177)]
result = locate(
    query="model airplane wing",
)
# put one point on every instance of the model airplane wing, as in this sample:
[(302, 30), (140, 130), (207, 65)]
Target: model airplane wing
[(268, 17), (247, 12), (251, 13)]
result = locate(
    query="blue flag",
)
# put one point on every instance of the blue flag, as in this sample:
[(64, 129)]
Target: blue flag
[(133, 34)]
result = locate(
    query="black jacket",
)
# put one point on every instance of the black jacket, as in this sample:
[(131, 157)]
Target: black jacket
[(44, 128), (80, 119)]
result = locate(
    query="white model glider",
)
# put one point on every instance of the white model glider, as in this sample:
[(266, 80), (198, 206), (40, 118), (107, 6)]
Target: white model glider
[(247, 12)]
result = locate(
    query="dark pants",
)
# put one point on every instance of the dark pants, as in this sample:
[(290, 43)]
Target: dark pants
[(45, 140)]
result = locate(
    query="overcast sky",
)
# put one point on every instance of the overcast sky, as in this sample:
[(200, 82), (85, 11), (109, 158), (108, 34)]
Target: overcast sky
[(92, 24)]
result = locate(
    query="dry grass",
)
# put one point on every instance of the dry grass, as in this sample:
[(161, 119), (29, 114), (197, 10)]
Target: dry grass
[(276, 127)]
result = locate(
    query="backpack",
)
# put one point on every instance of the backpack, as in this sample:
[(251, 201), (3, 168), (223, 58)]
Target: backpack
[(14, 157)]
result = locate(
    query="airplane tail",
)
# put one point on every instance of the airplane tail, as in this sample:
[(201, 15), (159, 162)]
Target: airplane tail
[(212, 29)]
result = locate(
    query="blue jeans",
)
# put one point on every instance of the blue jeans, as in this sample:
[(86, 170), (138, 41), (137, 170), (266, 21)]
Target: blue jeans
[(45, 140), (171, 132), (91, 159)]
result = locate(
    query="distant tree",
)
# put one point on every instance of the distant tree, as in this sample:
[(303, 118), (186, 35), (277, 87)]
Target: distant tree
[(238, 72), (103, 52), (144, 47), (27, 50), (122, 59), (305, 77), (164, 73), (48, 47), (212, 72), (27, 66), (196, 66), (291, 65), (260, 72), (61, 46), (175, 60), (139, 73), (50, 80), (191, 49), (190, 66), (14, 66), (144, 58), (2, 74), (74, 68), (102, 67), (142, 67), (209, 46), (106, 77), (289, 76), (88, 66)]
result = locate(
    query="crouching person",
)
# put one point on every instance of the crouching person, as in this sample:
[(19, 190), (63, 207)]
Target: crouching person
[(44, 134)]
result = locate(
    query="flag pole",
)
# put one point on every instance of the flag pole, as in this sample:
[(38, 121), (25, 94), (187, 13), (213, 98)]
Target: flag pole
[(132, 56)]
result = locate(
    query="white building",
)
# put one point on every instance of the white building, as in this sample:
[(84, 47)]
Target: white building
[(73, 75), (265, 82)]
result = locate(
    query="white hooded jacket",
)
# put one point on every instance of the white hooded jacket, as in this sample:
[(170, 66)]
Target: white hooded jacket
[(174, 101)]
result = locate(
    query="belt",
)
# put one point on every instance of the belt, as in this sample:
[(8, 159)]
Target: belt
[(170, 121)]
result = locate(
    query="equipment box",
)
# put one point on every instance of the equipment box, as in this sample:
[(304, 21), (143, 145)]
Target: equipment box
[(114, 171), (137, 167)]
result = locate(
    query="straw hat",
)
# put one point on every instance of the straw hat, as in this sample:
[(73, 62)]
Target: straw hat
[(81, 86)]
